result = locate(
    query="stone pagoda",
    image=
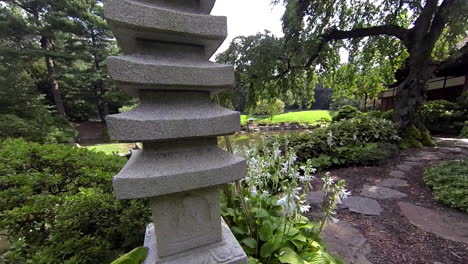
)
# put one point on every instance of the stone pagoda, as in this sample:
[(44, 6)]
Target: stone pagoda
[(167, 46)]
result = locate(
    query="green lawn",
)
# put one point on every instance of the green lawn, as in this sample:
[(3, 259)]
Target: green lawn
[(301, 116), (120, 148)]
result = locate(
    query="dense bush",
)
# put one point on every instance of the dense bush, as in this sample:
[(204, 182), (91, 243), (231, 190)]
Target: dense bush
[(49, 130), (264, 107), (58, 207), (438, 115), (464, 132), (449, 183), (346, 142), (346, 112)]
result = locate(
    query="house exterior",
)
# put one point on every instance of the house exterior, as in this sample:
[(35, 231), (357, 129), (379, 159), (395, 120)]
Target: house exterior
[(448, 83)]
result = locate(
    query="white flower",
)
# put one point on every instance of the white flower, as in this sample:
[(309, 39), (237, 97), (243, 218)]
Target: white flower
[(265, 193), (334, 220), (253, 191), (304, 208), (303, 168), (289, 207), (277, 153)]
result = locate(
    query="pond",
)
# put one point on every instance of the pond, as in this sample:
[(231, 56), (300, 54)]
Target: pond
[(239, 139)]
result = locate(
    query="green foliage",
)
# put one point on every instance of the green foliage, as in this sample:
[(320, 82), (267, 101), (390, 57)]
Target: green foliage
[(346, 142), (136, 256), (58, 207), (267, 214), (464, 132), (438, 115), (346, 112), (271, 109), (388, 115), (449, 183)]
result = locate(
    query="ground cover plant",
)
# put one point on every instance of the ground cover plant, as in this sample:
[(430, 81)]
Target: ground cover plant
[(449, 183), (355, 141)]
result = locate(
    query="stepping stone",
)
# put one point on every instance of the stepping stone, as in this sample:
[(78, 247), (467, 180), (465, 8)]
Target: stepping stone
[(405, 168), (315, 199), (413, 158), (378, 192), (346, 242), (397, 174), (392, 183), (449, 226), (362, 205), (412, 163)]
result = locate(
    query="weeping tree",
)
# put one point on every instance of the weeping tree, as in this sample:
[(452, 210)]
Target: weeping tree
[(380, 37)]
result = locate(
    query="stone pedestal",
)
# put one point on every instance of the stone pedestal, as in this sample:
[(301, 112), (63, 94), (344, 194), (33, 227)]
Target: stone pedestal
[(167, 46)]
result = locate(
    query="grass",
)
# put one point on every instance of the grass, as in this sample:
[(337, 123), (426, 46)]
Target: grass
[(112, 148), (301, 116)]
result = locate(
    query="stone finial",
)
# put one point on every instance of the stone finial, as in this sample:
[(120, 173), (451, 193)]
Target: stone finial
[(167, 46)]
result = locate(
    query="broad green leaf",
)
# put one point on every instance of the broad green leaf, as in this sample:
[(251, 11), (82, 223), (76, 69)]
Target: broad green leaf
[(250, 242), (287, 255)]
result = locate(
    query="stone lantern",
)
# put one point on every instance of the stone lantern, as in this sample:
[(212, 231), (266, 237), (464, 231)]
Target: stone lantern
[(167, 46)]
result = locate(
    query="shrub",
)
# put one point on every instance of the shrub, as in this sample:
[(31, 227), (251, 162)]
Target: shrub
[(438, 115), (449, 183), (346, 112), (264, 107), (464, 132), (14, 127), (388, 115), (334, 145), (58, 207), (50, 130)]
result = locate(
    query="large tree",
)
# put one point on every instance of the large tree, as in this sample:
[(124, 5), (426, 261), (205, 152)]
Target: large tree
[(380, 36)]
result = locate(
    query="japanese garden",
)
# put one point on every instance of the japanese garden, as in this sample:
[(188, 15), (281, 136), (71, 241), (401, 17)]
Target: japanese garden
[(233, 132)]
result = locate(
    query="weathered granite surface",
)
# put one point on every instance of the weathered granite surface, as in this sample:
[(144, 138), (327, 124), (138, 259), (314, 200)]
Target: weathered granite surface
[(362, 205), (391, 182), (378, 192), (167, 46), (347, 242), (449, 226), (226, 251)]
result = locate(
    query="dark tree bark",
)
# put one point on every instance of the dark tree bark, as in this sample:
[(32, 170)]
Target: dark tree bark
[(99, 86)]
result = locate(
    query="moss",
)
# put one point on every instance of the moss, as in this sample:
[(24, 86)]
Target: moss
[(413, 132), (136, 256), (426, 138)]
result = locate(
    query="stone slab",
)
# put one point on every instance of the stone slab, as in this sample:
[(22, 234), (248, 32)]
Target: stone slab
[(134, 73), (176, 166), (378, 192), (131, 20), (227, 251), (405, 168), (392, 183), (451, 227), (412, 163), (362, 205), (397, 174), (191, 6), (173, 115), (186, 220), (315, 199), (347, 242)]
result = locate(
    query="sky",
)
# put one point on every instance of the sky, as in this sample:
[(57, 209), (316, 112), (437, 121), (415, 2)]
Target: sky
[(247, 17)]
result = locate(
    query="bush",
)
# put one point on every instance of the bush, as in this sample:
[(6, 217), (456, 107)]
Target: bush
[(438, 115), (464, 132), (264, 107), (346, 112), (14, 127), (449, 183), (58, 207), (51, 130), (340, 143)]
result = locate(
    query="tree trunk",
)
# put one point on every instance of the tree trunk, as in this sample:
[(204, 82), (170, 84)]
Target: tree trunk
[(53, 84), (465, 87), (99, 86)]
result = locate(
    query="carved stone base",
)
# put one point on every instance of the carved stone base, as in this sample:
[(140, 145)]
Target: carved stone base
[(227, 251)]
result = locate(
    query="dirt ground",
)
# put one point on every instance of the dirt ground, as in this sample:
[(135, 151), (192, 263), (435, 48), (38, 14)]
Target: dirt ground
[(393, 239)]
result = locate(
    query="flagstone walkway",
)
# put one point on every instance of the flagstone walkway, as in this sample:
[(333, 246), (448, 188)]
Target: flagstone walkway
[(392, 217)]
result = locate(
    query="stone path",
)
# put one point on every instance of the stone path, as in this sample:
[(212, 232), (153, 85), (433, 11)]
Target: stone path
[(347, 242), (394, 192)]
